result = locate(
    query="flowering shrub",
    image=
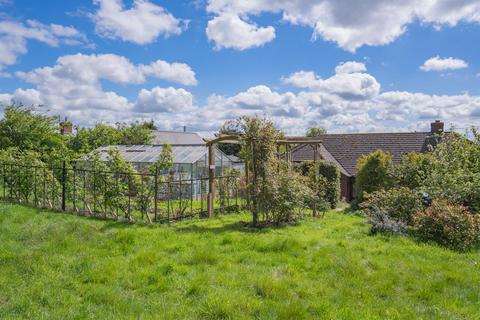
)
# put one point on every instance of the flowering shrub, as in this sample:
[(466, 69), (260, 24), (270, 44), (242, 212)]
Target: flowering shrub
[(452, 226)]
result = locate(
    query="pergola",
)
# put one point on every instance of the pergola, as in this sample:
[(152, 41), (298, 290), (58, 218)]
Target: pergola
[(288, 142)]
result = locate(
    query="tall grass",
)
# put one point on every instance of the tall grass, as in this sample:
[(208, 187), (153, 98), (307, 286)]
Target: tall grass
[(58, 266)]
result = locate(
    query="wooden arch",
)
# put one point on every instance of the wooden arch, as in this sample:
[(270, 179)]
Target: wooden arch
[(288, 142)]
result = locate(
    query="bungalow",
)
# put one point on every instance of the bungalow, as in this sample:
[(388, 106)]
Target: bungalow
[(345, 150)]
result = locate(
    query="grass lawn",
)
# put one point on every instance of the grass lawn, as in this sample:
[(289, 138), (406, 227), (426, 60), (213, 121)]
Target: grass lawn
[(60, 266)]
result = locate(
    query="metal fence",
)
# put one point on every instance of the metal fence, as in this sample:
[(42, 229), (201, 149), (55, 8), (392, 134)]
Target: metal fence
[(118, 195)]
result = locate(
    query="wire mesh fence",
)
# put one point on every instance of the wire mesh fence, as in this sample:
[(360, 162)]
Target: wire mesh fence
[(118, 195)]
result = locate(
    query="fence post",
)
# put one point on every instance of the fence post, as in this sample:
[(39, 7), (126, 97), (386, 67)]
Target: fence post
[(155, 196), (211, 181), (64, 181)]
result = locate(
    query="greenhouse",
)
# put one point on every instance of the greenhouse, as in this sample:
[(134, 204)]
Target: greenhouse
[(190, 161)]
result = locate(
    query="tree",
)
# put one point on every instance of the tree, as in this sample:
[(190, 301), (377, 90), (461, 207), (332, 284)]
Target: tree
[(373, 173), (315, 132), (88, 139), (23, 128), (136, 133)]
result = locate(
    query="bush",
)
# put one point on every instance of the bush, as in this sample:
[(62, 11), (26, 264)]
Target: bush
[(455, 175), (284, 196), (328, 184), (331, 172), (383, 223), (373, 173), (452, 226), (414, 169), (400, 204)]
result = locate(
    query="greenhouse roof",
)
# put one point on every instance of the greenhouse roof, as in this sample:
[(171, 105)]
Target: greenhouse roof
[(177, 138), (150, 153)]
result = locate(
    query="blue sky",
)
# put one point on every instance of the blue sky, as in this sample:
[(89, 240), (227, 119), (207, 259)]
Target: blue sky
[(93, 61)]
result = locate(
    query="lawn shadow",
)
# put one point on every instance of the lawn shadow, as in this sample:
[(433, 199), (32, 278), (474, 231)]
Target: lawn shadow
[(239, 226)]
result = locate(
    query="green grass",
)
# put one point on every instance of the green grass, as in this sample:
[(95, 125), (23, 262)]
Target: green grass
[(60, 266)]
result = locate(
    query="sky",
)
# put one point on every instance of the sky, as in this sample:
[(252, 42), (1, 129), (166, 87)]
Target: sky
[(347, 66)]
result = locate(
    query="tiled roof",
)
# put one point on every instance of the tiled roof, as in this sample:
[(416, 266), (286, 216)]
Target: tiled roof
[(347, 148), (176, 138)]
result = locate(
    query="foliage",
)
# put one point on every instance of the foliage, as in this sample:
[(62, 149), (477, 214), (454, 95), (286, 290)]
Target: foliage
[(26, 129), (373, 173), (414, 169), (315, 132), (135, 133), (452, 226), (271, 183), (331, 173), (26, 178), (455, 174), (227, 184), (156, 175), (399, 203), (284, 195), (382, 222), (122, 183), (324, 182), (88, 139)]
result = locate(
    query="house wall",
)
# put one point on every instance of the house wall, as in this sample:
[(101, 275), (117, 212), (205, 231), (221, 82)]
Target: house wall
[(347, 191)]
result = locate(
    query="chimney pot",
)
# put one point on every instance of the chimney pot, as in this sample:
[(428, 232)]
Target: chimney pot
[(437, 127)]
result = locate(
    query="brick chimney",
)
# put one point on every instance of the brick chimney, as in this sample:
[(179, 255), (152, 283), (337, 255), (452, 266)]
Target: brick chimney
[(66, 127), (437, 127)]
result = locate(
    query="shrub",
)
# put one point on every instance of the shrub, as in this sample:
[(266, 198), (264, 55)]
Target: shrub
[(328, 182), (285, 195), (398, 203), (383, 223), (373, 173), (452, 226), (331, 172), (413, 169), (455, 175)]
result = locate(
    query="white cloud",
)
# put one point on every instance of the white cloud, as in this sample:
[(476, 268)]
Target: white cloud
[(350, 67), (230, 31), (164, 100), (176, 72), (343, 102), (89, 69), (349, 82), (441, 64), (352, 23), (14, 36), (143, 23), (73, 86)]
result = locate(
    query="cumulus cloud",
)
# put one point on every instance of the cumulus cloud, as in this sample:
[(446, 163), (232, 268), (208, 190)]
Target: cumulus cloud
[(164, 100), (350, 23), (175, 72), (230, 31), (89, 69), (74, 85), (349, 82), (348, 101), (15, 35), (143, 23), (442, 64), (350, 67)]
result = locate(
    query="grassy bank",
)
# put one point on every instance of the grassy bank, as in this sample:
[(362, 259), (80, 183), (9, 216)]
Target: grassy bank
[(58, 266)]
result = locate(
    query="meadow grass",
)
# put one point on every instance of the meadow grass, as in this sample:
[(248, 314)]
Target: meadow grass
[(61, 266)]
